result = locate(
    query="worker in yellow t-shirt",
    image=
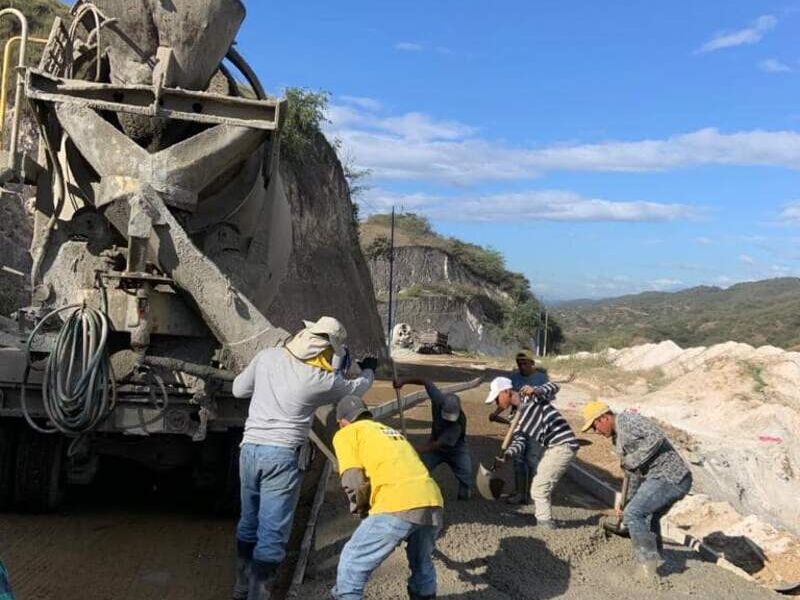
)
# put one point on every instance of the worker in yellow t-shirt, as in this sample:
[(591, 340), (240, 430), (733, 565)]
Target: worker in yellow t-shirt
[(390, 488)]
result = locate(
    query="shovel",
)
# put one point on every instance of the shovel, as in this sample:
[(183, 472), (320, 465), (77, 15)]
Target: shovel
[(488, 483), (783, 586), (616, 527)]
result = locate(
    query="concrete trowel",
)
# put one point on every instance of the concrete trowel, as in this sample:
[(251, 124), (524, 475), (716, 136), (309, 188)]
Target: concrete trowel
[(489, 484)]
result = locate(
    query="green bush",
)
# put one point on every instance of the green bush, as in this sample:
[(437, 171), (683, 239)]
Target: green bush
[(409, 223), (305, 115), (381, 246)]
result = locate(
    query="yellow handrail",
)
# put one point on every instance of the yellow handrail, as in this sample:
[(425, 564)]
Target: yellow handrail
[(6, 73), (13, 161)]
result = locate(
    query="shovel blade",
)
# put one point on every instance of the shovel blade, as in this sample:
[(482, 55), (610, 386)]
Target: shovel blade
[(489, 485)]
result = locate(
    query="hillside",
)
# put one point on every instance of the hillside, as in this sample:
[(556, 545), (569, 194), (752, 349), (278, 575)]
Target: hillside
[(452, 286), (759, 313)]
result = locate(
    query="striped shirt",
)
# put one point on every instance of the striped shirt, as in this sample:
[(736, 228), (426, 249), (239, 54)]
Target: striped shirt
[(542, 422)]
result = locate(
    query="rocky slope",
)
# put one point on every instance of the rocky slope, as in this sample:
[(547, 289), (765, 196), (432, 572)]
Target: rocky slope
[(327, 272), (451, 286), (738, 408)]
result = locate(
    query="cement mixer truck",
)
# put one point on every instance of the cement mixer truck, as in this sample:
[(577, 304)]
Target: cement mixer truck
[(161, 232)]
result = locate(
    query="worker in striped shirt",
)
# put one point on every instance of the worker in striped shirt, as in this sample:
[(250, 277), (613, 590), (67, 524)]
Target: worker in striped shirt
[(539, 422)]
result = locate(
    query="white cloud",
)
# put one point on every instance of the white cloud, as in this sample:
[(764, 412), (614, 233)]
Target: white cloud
[(666, 284), (773, 65), (791, 212), (409, 46), (540, 205), (751, 34), (747, 259), (416, 146), (369, 104), (703, 241)]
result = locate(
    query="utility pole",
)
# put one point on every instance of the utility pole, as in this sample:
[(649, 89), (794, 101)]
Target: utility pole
[(400, 408), (391, 286), (546, 316)]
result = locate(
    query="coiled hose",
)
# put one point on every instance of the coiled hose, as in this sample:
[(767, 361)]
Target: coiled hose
[(78, 391)]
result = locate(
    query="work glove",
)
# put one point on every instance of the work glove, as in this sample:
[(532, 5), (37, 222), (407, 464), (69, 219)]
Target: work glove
[(363, 495), (495, 418), (368, 363)]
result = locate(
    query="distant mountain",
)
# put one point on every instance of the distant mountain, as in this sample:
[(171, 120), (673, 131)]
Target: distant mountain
[(758, 313)]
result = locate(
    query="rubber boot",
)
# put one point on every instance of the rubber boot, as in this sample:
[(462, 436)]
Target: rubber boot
[(414, 596), (647, 556), (244, 560), (262, 576)]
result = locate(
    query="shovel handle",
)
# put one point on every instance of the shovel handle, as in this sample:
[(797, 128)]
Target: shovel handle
[(510, 432)]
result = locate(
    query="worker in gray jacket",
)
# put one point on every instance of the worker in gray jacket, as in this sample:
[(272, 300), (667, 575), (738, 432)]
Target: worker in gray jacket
[(658, 476), (286, 386)]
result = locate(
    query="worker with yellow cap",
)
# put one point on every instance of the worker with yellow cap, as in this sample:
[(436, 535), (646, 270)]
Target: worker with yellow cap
[(658, 476)]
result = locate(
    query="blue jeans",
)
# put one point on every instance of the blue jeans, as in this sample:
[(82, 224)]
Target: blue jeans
[(525, 463), (5, 587), (642, 514), (270, 482), (458, 459), (375, 539)]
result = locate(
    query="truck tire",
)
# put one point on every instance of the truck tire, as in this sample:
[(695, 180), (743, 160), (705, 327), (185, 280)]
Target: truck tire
[(39, 477), (8, 442)]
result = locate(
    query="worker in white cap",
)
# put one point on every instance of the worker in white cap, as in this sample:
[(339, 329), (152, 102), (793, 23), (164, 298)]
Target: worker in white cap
[(541, 422), (286, 386)]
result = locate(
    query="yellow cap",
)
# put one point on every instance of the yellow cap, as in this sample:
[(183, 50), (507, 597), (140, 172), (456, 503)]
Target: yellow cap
[(592, 411)]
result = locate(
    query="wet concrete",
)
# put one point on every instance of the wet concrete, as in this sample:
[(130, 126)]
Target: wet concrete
[(490, 550)]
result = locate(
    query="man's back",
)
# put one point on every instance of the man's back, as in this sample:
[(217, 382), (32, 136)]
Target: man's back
[(285, 394), (398, 477)]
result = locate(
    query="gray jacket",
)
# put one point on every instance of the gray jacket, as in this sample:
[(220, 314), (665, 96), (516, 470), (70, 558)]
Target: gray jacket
[(285, 394), (645, 452)]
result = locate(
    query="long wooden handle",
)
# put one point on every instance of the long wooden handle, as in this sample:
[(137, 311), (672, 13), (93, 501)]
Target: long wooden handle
[(398, 397), (510, 432), (623, 495)]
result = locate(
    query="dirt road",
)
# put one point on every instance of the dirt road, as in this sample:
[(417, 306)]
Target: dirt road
[(132, 535), (138, 536)]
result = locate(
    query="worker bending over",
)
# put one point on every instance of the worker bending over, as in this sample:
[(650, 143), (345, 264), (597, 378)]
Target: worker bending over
[(390, 488), (448, 439), (540, 423), (287, 385), (658, 477)]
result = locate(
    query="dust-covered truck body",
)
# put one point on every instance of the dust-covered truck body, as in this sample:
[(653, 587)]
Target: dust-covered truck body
[(161, 235)]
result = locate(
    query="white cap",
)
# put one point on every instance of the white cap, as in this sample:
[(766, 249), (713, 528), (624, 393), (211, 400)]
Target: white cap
[(498, 385), (333, 329)]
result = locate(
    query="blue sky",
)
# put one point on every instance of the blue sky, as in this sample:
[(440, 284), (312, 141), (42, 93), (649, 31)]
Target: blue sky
[(603, 147)]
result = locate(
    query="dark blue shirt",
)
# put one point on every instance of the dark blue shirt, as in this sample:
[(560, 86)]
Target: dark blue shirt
[(535, 379), (449, 433)]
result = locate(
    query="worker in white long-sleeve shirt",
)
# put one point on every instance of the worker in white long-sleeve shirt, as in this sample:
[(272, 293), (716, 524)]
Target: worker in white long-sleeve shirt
[(287, 385), (539, 422)]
